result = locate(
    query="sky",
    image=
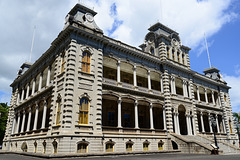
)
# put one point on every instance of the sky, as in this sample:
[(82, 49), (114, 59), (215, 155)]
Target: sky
[(127, 21)]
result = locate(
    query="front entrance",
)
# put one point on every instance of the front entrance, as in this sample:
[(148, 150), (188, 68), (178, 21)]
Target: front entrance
[(182, 120)]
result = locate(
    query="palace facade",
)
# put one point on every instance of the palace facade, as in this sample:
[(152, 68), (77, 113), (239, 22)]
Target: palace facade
[(89, 93)]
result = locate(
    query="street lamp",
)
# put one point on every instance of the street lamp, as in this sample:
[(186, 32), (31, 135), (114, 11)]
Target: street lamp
[(214, 124)]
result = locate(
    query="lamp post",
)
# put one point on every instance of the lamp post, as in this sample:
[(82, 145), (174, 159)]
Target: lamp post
[(214, 124)]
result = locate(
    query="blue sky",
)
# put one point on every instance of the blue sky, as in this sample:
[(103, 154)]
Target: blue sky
[(127, 22)]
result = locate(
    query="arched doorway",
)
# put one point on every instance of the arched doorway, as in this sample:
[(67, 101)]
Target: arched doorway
[(182, 120)]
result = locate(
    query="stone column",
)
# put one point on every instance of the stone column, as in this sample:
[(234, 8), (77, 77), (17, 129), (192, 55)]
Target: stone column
[(151, 116), (175, 122), (36, 117), (118, 72), (44, 114), (23, 121), (184, 89), (161, 84), (213, 99), (189, 89), (178, 127), (216, 116), (194, 127), (48, 75), (13, 126), (28, 87), (201, 115), (198, 94), (136, 114), (134, 76), (18, 122), (40, 81), (164, 119), (188, 125), (149, 80), (224, 127), (34, 85), (206, 97), (210, 125), (119, 113), (173, 85), (29, 119), (22, 94)]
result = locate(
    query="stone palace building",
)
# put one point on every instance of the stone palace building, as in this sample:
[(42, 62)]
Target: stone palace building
[(89, 93)]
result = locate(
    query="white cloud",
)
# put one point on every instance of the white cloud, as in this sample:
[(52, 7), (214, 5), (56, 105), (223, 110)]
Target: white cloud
[(189, 18), (234, 82)]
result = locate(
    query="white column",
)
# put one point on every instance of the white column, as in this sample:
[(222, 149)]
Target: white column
[(36, 117), (149, 80), (210, 125), (29, 119), (134, 76), (23, 121), (188, 125), (164, 119), (175, 122), (119, 112), (224, 127), (18, 122), (22, 94), (151, 116), (48, 75), (206, 97), (161, 83), (201, 115), (40, 81), (174, 86), (136, 114), (189, 90), (13, 125), (194, 127), (178, 126), (184, 89), (118, 72), (213, 99), (34, 85), (44, 114), (198, 94), (216, 116), (28, 87)]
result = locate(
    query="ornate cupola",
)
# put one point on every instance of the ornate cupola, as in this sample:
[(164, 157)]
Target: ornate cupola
[(81, 15), (165, 43)]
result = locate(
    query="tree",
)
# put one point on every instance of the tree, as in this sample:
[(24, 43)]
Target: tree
[(236, 117), (3, 119)]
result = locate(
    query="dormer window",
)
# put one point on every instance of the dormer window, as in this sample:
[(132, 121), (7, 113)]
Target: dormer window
[(152, 50)]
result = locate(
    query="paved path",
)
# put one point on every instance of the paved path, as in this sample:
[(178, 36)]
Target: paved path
[(134, 157)]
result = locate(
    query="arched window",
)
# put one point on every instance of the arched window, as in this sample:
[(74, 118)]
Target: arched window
[(82, 148), (83, 111), (173, 55), (146, 145), (24, 147), (58, 111), (168, 54), (183, 59), (109, 147), (86, 59), (160, 145), (35, 146), (63, 61), (55, 146), (178, 57), (129, 146), (44, 146)]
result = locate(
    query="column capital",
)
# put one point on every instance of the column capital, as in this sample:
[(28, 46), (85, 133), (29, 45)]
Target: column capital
[(151, 105), (134, 68), (135, 102), (118, 62), (149, 72), (119, 100)]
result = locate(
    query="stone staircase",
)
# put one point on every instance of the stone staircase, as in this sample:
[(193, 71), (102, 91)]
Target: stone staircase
[(203, 142)]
